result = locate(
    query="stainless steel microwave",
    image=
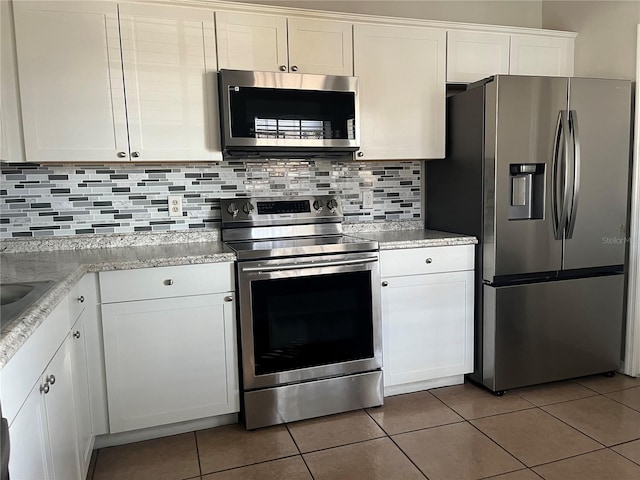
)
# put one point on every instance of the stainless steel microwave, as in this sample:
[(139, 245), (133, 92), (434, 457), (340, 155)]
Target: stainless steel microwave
[(270, 114)]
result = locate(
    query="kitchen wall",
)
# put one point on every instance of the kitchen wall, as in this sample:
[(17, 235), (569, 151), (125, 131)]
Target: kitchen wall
[(52, 200), (606, 42), (520, 13)]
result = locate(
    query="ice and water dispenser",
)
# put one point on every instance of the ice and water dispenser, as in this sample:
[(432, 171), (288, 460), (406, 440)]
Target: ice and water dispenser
[(527, 191)]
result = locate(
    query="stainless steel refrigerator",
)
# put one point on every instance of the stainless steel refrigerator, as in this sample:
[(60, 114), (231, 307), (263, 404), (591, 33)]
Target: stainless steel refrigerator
[(538, 169)]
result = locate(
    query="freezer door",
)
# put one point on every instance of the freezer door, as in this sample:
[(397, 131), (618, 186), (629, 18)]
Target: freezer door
[(521, 127), (601, 112), (551, 331)]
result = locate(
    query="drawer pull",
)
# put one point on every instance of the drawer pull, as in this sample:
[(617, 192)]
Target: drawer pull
[(384, 284), (168, 281), (81, 299), (429, 260), (76, 334), (44, 388), (51, 379), (228, 298)]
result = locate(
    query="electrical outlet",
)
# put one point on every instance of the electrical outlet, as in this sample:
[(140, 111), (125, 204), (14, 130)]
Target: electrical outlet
[(367, 199), (175, 206)]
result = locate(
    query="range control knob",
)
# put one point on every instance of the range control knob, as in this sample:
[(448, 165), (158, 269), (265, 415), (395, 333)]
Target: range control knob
[(248, 208), (317, 205), (232, 208), (332, 205)]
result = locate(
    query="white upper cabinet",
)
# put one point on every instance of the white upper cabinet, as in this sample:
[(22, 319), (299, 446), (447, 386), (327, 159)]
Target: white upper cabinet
[(402, 91), (541, 55), (278, 44), (472, 56), (169, 62), (317, 46), (76, 105), (71, 85)]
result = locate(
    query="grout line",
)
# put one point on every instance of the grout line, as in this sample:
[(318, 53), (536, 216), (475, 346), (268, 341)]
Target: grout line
[(498, 445), (195, 435)]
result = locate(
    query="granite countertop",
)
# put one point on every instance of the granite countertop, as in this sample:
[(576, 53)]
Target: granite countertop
[(67, 267), (393, 240), (38, 261)]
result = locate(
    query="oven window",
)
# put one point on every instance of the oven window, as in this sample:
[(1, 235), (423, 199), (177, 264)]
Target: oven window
[(310, 321)]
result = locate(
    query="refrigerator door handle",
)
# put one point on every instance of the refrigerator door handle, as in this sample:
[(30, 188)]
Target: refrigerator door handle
[(575, 138), (560, 180)]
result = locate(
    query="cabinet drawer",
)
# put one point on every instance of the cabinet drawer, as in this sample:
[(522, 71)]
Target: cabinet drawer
[(417, 261), (83, 294), (165, 282)]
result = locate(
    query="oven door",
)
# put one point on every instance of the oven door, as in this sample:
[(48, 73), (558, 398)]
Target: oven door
[(308, 318)]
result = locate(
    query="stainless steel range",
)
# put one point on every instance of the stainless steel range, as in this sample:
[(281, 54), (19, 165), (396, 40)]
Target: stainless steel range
[(308, 309)]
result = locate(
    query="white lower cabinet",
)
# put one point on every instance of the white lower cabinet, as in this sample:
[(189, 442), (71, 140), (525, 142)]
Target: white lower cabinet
[(43, 434), (169, 359), (427, 317), (81, 394), (51, 431)]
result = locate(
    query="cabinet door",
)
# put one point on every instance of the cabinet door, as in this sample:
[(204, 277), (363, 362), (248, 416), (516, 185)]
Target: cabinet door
[(170, 360), (81, 393), (318, 46), (472, 56), (538, 55), (71, 86), (251, 42), (169, 61), (30, 452), (427, 327), (61, 420), (402, 91)]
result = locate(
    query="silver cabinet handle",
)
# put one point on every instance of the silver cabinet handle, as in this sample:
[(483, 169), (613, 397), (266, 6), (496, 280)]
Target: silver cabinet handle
[(135, 154), (385, 284), (168, 281), (122, 154), (360, 154), (228, 298), (294, 68), (81, 299), (429, 260), (76, 334), (283, 68), (44, 388), (51, 379)]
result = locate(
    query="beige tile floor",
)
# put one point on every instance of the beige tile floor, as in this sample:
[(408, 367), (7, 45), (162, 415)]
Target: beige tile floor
[(588, 428)]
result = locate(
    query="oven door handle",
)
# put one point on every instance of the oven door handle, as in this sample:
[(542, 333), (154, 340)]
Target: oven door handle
[(297, 266)]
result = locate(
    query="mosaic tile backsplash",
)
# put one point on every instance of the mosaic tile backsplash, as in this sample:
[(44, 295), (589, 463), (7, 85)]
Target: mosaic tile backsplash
[(61, 199)]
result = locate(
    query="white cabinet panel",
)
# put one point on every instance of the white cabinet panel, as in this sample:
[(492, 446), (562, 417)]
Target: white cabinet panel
[(170, 360), (402, 91), (76, 104), (251, 42), (163, 282), (43, 434), (61, 420), (427, 327), (427, 318), (71, 85), (540, 55), (279, 44), (417, 261), (81, 392), (171, 87), (323, 47), (30, 453), (472, 56)]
